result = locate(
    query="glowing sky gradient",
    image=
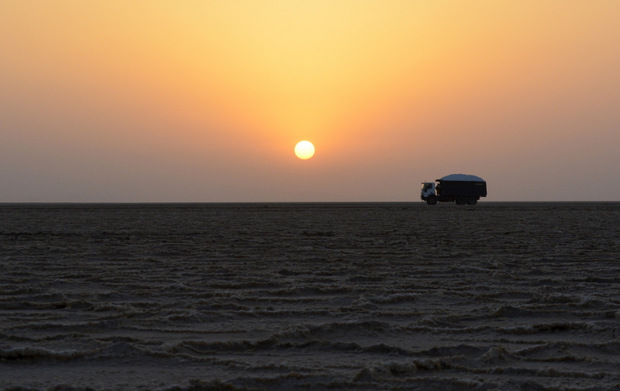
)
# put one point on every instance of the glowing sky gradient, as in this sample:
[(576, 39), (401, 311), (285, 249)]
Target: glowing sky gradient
[(146, 101)]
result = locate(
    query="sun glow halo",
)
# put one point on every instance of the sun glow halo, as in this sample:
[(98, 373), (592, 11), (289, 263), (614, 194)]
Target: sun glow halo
[(304, 150)]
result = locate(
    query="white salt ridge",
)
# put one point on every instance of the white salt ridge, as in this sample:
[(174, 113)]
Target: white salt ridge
[(276, 297)]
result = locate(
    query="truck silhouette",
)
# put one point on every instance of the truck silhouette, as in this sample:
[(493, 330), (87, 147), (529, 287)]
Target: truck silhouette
[(460, 188)]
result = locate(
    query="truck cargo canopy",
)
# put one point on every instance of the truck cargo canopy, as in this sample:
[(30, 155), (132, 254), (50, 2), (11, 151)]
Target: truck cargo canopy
[(462, 178)]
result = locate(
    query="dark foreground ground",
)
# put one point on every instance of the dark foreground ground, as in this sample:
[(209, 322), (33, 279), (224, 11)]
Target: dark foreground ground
[(503, 296)]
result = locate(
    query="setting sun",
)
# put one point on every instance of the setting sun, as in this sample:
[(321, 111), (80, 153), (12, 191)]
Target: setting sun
[(304, 150)]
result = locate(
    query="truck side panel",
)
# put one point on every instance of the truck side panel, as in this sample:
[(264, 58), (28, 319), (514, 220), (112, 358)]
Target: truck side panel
[(462, 188)]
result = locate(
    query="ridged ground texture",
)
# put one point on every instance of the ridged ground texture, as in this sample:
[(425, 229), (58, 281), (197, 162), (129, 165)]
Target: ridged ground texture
[(503, 296)]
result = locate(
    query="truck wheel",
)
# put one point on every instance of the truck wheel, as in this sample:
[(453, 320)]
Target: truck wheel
[(432, 200), (460, 201)]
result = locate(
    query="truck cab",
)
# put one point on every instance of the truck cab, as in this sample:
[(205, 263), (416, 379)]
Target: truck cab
[(428, 193)]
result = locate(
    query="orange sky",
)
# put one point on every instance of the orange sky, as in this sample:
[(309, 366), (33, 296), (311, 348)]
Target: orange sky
[(205, 101)]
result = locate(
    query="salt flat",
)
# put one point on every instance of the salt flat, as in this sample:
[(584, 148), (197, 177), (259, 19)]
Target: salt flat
[(503, 296)]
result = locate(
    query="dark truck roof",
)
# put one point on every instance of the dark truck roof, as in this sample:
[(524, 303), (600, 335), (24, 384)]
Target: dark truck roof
[(462, 178)]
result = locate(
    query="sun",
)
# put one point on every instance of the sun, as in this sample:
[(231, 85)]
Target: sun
[(304, 150)]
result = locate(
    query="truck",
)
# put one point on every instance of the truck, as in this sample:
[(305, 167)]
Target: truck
[(460, 188)]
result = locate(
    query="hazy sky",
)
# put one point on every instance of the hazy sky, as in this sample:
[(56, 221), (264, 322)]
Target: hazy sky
[(146, 101)]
